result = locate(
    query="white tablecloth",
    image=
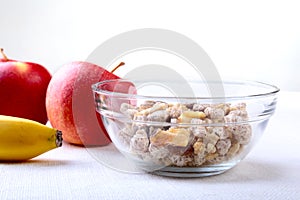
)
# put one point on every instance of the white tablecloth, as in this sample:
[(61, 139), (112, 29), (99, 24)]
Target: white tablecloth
[(270, 171)]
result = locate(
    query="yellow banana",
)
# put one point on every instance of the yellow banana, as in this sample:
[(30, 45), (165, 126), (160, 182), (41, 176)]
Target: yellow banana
[(23, 139)]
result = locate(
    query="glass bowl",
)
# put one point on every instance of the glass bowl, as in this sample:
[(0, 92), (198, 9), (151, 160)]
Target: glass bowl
[(184, 129)]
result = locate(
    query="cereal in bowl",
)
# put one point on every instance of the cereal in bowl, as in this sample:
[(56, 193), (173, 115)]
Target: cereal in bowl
[(185, 135)]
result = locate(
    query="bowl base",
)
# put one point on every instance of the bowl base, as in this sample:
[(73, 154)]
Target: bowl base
[(190, 172)]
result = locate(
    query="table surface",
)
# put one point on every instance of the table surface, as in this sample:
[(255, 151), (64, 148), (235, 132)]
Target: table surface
[(270, 171)]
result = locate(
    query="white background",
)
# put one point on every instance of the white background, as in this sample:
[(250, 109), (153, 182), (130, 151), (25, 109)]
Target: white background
[(257, 40)]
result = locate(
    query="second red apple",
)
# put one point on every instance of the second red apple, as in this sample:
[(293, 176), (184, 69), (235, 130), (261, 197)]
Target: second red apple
[(70, 103)]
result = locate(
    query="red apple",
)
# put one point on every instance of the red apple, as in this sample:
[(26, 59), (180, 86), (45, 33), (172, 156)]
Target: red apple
[(23, 88), (70, 103)]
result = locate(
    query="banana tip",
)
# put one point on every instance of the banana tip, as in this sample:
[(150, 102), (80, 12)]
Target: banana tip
[(59, 138)]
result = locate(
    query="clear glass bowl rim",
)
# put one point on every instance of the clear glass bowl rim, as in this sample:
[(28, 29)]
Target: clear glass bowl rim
[(271, 91)]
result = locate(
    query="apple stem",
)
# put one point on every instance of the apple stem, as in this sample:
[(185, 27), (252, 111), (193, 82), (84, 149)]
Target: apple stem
[(3, 54), (119, 65)]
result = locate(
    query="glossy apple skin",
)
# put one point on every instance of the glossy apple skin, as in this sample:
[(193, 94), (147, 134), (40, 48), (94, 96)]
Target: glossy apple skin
[(23, 87), (70, 103)]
